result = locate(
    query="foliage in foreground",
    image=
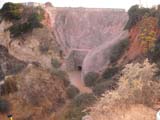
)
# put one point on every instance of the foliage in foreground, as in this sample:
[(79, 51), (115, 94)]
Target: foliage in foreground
[(72, 91), (4, 106), (16, 13), (76, 108), (11, 11), (155, 52), (110, 72), (135, 15), (10, 86), (118, 50), (91, 78), (34, 21), (136, 86), (55, 63), (62, 75)]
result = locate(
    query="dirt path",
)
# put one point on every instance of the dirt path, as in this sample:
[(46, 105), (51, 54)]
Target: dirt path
[(75, 79)]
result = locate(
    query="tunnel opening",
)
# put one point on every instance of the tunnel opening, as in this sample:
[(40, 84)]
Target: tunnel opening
[(79, 68)]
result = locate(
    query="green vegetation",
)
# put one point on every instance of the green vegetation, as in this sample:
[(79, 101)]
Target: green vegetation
[(73, 113), (158, 21), (118, 50), (133, 89), (84, 100), (62, 75), (91, 78), (110, 72), (34, 21), (135, 14), (10, 86), (16, 13), (15, 68), (2, 75), (107, 81), (44, 47), (154, 54), (11, 11), (80, 102), (4, 106), (55, 63), (147, 35), (72, 91), (100, 88)]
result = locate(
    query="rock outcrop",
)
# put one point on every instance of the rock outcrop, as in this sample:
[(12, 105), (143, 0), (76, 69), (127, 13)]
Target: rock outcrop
[(9, 64), (98, 59), (86, 30), (39, 46)]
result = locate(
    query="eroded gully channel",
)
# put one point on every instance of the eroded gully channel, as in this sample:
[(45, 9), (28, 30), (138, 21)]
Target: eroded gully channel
[(75, 79)]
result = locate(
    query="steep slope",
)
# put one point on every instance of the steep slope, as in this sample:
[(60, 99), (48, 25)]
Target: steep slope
[(136, 48), (80, 30), (99, 59), (40, 94), (31, 46), (9, 65)]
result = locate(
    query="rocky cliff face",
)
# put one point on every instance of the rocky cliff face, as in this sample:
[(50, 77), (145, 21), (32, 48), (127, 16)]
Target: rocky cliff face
[(86, 29)]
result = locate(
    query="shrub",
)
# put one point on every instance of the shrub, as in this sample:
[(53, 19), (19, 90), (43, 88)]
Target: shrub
[(4, 106), (2, 75), (136, 87), (110, 72), (73, 113), (75, 109), (118, 50), (154, 53), (43, 48), (158, 21), (11, 11), (15, 68), (100, 88), (55, 63), (33, 21), (19, 29), (72, 91), (62, 75), (85, 99), (135, 14), (9, 86), (91, 78)]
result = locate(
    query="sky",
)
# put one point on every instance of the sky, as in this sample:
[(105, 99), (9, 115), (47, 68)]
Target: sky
[(126, 4)]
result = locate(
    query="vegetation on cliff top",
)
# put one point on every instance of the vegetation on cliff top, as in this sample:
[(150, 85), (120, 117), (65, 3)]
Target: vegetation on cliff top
[(22, 22), (11, 11), (136, 14)]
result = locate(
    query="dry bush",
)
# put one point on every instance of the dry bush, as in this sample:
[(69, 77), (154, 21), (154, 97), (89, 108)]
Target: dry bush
[(136, 86), (9, 86), (72, 91), (4, 106)]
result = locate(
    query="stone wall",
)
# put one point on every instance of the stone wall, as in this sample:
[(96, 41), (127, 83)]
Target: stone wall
[(74, 60)]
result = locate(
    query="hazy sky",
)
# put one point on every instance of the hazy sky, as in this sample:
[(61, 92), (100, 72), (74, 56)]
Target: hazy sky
[(91, 3)]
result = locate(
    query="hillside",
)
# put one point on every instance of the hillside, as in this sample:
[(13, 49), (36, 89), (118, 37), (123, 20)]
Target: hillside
[(31, 87), (80, 31), (79, 63), (137, 94)]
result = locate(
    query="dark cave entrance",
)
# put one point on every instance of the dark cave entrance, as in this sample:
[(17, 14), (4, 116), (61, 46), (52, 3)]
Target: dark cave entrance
[(79, 68)]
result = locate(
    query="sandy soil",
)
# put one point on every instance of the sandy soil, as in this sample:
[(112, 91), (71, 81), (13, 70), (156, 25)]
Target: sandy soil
[(75, 79)]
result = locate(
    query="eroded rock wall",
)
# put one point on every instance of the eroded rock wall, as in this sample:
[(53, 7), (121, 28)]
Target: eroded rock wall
[(88, 29)]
